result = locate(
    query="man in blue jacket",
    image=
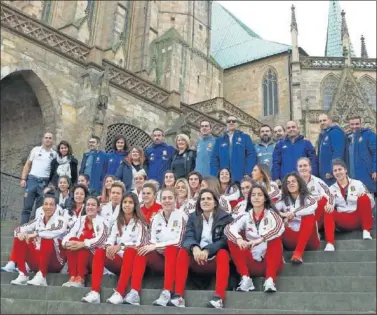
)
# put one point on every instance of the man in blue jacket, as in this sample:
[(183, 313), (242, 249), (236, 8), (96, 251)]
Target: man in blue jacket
[(94, 164), (362, 154), (331, 145), (289, 150), (235, 151), (265, 148), (158, 157), (204, 149)]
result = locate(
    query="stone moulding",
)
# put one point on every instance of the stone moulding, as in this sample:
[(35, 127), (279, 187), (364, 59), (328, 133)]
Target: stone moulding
[(336, 63), (17, 21), (312, 115), (136, 85)]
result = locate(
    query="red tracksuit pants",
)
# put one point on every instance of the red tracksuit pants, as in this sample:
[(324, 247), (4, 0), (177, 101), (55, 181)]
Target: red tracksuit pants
[(306, 238), (79, 260), (319, 212), (134, 265), (361, 218), (100, 261), (44, 260), (269, 267), (219, 265)]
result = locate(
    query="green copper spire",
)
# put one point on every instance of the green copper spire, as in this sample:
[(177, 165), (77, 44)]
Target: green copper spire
[(334, 40)]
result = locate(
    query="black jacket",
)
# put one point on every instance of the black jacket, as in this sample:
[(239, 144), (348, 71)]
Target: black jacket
[(190, 157), (54, 166), (193, 233)]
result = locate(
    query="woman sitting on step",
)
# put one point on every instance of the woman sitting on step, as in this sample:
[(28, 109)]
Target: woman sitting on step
[(204, 249), (262, 175), (118, 255), (38, 243), (160, 253), (297, 207), (353, 206), (246, 184), (89, 232), (260, 252)]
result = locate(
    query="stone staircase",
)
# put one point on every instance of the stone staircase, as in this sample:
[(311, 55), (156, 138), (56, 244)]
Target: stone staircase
[(341, 282)]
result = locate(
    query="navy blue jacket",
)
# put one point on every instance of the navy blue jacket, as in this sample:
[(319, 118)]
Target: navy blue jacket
[(114, 158), (365, 157), (243, 159), (193, 233), (124, 173), (97, 174), (286, 154), (331, 145), (158, 159)]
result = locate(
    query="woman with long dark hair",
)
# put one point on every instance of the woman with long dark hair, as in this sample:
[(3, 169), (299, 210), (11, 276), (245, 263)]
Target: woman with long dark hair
[(297, 208), (204, 248), (76, 207), (230, 190), (118, 153), (260, 251), (169, 182), (213, 184), (64, 164), (261, 175), (127, 233)]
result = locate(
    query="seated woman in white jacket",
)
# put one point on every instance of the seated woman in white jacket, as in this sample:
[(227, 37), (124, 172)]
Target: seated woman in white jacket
[(352, 208), (110, 210), (260, 252), (246, 184), (89, 232), (297, 207), (118, 254), (38, 243)]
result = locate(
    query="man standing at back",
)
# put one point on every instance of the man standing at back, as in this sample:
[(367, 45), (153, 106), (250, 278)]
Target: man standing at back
[(204, 149), (331, 145), (235, 151), (265, 147), (289, 150), (279, 133), (36, 174), (362, 154), (158, 157), (94, 164)]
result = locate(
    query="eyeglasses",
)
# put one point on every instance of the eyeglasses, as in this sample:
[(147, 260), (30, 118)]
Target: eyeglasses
[(231, 121)]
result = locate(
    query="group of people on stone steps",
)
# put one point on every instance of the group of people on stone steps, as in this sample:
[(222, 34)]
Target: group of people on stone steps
[(173, 218)]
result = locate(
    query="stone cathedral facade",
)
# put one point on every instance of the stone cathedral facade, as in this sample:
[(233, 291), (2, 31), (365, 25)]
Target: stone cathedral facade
[(78, 68)]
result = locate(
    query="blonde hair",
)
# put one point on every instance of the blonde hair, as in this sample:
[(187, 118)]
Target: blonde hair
[(153, 182), (119, 184), (184, 137), (185, 182)]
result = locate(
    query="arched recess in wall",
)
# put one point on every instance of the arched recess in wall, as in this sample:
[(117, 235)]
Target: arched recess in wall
[(270, 92), (368, 89), (134, 136), (328, 88)]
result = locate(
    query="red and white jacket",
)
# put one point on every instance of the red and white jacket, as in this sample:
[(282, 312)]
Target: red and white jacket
[(318, 189), (55, 228), (239, 209), (355, 188), (134, 234), (165, 233), (270, 227), (108, 213), (100, 228), (39, 211), (310, 205)]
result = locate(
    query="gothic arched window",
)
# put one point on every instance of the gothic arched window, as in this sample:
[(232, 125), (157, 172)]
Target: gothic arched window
[(368, 89), (270, 93), (329, 86)]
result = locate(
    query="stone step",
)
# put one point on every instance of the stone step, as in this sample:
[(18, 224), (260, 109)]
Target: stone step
[(283, 283), (319, 301), (18, 306)]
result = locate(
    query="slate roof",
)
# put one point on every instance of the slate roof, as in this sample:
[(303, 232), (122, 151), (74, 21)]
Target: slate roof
[(233, 43)]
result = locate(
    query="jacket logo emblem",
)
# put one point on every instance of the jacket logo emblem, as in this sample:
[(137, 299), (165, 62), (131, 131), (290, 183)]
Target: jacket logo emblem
[(239, 139), (284, 146), (134, 228), (175, 223), (360, 139), (111, 160), (210, 145), (352, 188), (312, 188), (158, 231), (327, 138), (97, 229), (164, 152), (223, 144), (97, 158), (265, 222)]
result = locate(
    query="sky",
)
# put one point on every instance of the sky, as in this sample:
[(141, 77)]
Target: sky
[(271, 20)]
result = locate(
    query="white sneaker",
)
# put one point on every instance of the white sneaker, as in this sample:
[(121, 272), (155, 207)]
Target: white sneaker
[(366, 235), (92, 297), (132, 298), (38, 280), (108, 272), (177, 301), (216, 302), (69, 282), (163, 299), (64, 269), (9, 267), (246, 284), (329, 247), (116, 298), (22, 279), (269, 285)]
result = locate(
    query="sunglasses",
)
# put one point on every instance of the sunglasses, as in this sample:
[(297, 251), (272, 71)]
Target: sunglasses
[(231, 121)]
